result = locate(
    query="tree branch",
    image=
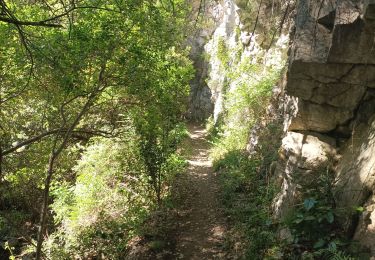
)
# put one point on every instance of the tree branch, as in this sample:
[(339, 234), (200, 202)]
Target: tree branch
[(29, 23), (9, 17), (256, 21), (29, 141), (56, 152), (52, 132)]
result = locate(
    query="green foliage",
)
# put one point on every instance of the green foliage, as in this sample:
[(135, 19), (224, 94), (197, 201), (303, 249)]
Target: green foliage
[(248, 192), (223, 52), (247, 88), (121, 69), (110, 200), (267, 24), (11, 221), (243, 107), (107, 204), (157, 122), (211, 128), (247, 196), (313, 223)]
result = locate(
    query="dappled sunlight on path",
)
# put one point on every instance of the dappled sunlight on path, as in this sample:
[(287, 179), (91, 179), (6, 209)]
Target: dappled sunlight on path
[(202, 223)]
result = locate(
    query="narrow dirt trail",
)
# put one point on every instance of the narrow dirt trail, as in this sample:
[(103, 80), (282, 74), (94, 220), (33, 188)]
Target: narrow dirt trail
[(202, 222)]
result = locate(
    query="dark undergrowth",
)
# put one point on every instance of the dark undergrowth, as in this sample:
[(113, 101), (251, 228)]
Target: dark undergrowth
[(248, 192), (247, 196)]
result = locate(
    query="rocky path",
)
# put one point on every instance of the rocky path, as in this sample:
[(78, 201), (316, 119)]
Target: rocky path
[(201, 223)]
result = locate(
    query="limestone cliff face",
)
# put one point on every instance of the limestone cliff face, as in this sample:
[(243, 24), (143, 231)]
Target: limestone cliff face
[(331, 83), (241, 27), (200, 100), (236, 38), (220, 20)]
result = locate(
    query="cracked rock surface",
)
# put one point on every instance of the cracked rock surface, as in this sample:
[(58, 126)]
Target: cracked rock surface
[(331, 79)]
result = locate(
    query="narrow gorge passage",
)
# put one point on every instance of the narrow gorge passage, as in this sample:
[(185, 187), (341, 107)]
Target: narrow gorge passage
[(202, 222)]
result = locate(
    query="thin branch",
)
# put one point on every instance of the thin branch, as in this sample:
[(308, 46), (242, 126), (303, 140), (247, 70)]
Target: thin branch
[(14, 94), (29, 141), (45, 23), (29, 23), (280, 26), (55, 154), (256, 21), (5, 11), (52, 132)]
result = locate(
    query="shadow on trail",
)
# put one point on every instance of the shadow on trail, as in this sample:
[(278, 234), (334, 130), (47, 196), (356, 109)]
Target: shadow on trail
[(202, 222)]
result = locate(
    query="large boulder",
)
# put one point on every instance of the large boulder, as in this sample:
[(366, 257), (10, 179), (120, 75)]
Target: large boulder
[(356, 168), (302, 155)]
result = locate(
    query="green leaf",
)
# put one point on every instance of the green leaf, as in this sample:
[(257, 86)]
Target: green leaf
[(310, 218), (360, 209), (319, 244), (330, 217), (309, 203), (269, 222), (332, 246)]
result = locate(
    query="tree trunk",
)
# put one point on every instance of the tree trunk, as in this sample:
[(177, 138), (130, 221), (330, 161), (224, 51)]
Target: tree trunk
[(56, 151), (1, 164), (43, 215), (54, 155)]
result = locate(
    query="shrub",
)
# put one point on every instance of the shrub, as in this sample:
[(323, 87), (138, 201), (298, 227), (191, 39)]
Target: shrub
[(109, 201), (313, 222), (247, 197)]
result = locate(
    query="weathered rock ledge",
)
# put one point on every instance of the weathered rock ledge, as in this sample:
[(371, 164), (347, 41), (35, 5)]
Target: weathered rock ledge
[(331, 80)]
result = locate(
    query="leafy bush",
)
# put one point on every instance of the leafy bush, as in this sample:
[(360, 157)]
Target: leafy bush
[(223, 52), (109, 201), (248, 192), (313, 223), (247, 196), (245, 105)]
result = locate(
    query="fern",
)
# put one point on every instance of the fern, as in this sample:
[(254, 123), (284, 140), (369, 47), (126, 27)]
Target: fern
[(340, 255), (334, 254)]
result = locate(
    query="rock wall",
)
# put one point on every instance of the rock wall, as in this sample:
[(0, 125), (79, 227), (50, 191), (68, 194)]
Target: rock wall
[(240, 34), (200, 101), (245, 30), (225, 33), (331, 84), (220, 21)]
